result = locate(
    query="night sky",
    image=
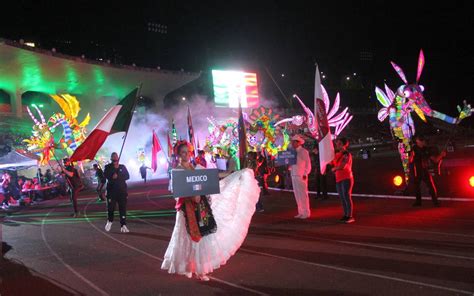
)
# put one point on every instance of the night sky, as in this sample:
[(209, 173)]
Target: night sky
[(285, 37)]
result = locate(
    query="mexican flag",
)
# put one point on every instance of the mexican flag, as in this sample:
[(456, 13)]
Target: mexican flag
[(116, 120), (326, 148)]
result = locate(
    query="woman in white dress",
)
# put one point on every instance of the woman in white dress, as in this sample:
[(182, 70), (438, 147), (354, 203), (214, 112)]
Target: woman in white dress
[(207, 233)]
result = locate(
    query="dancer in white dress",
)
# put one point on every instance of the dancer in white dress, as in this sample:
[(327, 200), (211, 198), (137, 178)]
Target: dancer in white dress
[(200, 247)]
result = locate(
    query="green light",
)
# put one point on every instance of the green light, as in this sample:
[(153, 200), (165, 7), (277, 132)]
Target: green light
[(31, 72), (41, 106), (72, 78)]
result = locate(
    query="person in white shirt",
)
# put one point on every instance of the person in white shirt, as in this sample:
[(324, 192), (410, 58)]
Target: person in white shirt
[(299, 177)]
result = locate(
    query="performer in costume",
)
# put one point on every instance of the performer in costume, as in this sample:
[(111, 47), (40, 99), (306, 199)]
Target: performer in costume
[(299, 177), (207, 234), (398, 107)]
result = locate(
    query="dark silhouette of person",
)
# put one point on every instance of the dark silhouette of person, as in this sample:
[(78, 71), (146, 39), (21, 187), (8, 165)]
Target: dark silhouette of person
[(117, 176)]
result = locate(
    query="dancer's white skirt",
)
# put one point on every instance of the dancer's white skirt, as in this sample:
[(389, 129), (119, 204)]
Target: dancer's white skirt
[(233, 209)]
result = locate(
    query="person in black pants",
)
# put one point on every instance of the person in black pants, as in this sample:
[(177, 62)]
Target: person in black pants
[(99, 173), (420, 158), (74, 183), (116, 175), (254, 162), (321, 179), (143, 169), (263, 173)]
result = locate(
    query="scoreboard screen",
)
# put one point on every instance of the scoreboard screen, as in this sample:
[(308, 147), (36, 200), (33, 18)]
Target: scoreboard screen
[(232, 87)]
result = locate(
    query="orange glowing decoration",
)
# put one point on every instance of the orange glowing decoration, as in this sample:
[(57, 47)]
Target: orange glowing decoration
[(397, 181), (471, 181), (277, 178)]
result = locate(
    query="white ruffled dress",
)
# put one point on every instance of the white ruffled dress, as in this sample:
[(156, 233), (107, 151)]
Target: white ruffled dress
[(233, 209)]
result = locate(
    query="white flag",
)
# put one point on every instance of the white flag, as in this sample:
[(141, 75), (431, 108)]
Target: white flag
[(326, 148)]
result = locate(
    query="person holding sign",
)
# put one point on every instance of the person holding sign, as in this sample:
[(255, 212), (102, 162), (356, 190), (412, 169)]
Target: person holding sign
[(299, 177), (206, 234)]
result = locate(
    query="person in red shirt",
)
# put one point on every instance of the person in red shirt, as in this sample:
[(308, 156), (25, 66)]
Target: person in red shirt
[(342, 168)]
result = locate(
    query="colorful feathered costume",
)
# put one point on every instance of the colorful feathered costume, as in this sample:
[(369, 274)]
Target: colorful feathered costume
[(74, 133), (408, 98)]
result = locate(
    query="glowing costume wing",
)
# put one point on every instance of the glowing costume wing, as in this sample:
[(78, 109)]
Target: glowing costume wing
[(390, 93), (309, 116), (86, 120), (421, 64), (382, 98), (399, 72), (383, 113), (335, 107), (325, 98)]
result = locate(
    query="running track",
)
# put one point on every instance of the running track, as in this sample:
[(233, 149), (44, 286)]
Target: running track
[(392, 249)]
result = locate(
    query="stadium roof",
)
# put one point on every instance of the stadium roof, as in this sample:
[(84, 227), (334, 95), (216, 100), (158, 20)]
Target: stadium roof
[(24, 68)]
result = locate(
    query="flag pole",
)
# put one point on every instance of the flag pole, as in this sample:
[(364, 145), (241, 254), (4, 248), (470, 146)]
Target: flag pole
[(276, 84), (133, 111), (242, 138)]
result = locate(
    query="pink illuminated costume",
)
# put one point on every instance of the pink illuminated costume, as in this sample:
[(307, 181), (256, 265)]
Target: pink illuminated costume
[(398, 107)]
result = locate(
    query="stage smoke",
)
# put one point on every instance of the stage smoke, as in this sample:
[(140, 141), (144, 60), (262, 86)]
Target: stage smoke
[(145, 120)]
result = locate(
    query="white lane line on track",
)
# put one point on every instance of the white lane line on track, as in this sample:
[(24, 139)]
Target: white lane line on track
[(370, 274), (381, 228), (380, 246), (161, 259), (341, 268), (415, 251), (408, 230), (368, 245), (385, 196), (370, 214), (69, 267), (373, 227)]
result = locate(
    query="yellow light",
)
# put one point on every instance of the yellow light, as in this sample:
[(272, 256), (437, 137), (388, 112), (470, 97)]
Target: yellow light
[(30, 44), (398, 180), (471, 181), (277, 178)]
